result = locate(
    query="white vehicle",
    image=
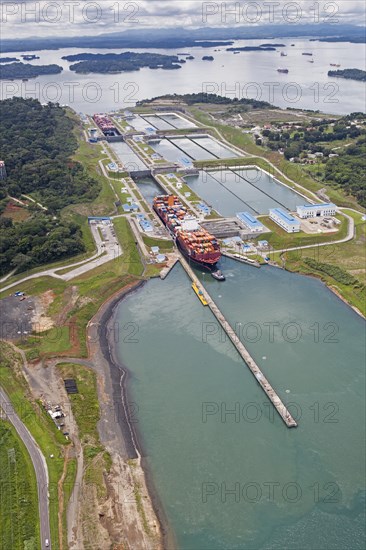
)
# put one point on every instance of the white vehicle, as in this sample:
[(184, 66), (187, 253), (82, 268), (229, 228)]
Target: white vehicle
[(46, 543)]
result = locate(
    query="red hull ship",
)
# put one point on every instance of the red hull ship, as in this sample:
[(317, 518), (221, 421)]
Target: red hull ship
[(194, 241)]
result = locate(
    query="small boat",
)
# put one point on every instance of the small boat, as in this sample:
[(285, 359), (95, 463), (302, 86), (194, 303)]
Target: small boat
[(283, 54), (335, 65), (311, 61), (199, 294), (307, 53), (218, 275), (284, 71)]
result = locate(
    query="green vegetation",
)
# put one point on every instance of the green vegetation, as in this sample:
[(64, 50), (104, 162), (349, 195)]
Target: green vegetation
[(67, 488), (8, 59), (280, 239), (91, 290), (340, 160), (348, 257), (86, 411), (25, 70), (38, 240), (131, 259), (121, 62), (202, 97), (97, 461), (37, 143), (351, 74), (164, 245), (40, 425), (19, 517), (348, 171), (338, 274)]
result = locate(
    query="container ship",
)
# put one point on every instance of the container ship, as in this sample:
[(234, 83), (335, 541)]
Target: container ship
[(195, 242), (106, 125)]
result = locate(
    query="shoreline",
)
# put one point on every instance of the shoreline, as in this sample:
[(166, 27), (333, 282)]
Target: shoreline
[(332, 288), (119, 376)]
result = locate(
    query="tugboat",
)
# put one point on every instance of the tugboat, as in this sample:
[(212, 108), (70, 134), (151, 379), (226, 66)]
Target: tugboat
[(218, 275)]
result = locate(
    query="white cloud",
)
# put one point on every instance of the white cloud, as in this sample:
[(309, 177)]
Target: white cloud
[(83, 17)]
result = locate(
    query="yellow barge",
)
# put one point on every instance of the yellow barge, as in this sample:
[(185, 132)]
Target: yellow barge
[(199, 294)]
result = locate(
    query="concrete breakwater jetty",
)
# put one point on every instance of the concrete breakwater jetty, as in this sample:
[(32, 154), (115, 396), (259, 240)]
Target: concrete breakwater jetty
[(244, 353)]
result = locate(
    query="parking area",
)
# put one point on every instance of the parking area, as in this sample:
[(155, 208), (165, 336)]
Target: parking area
[(16, 316), (320, 225)]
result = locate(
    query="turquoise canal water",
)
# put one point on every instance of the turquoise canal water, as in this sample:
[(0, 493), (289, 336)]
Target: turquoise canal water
[(228, 472), (248, 190), (149, 188)]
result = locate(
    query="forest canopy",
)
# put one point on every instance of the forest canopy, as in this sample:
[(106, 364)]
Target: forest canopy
[(37, 144)]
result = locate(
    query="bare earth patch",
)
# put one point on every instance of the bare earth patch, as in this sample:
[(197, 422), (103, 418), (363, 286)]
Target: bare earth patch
[(40, 320)]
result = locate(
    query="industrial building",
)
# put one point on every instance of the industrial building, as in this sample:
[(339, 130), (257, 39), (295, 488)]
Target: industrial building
[(2, 170), (284, 220), (250, 222), (316, 210)]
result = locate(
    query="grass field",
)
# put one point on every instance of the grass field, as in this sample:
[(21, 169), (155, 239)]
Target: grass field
[(279, 238), (164, 245), (19, 517)]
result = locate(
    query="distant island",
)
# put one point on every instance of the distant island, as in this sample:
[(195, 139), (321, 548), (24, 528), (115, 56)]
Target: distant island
[(201, 97), (8, 59), (207, 58), (122, 62), (351, 39), (349, 74), (182, 39), (24, 70), (273, 45), (252, 49)]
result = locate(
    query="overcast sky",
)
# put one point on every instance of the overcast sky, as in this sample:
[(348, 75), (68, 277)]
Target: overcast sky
[(83, 17)]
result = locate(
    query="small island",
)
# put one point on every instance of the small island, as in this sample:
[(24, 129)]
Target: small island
[(274, 45), (110, 63), (24, 70), (8, 59), (349, 74), (207, 58), (252, 49)]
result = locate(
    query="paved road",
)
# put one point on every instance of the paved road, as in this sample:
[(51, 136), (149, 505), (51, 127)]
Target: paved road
[(39, 464), (106, 251)]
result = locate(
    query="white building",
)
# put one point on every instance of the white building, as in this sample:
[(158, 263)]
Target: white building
[(250, 222), (316, 210), (2, 170), (284, 220)]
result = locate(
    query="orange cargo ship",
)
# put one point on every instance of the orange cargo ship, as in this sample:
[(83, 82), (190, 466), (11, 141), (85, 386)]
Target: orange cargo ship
[(194, 241)]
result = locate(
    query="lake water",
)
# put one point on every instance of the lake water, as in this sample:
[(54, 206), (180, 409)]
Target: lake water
[(248, 190), (227, 470), (249, 74)]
